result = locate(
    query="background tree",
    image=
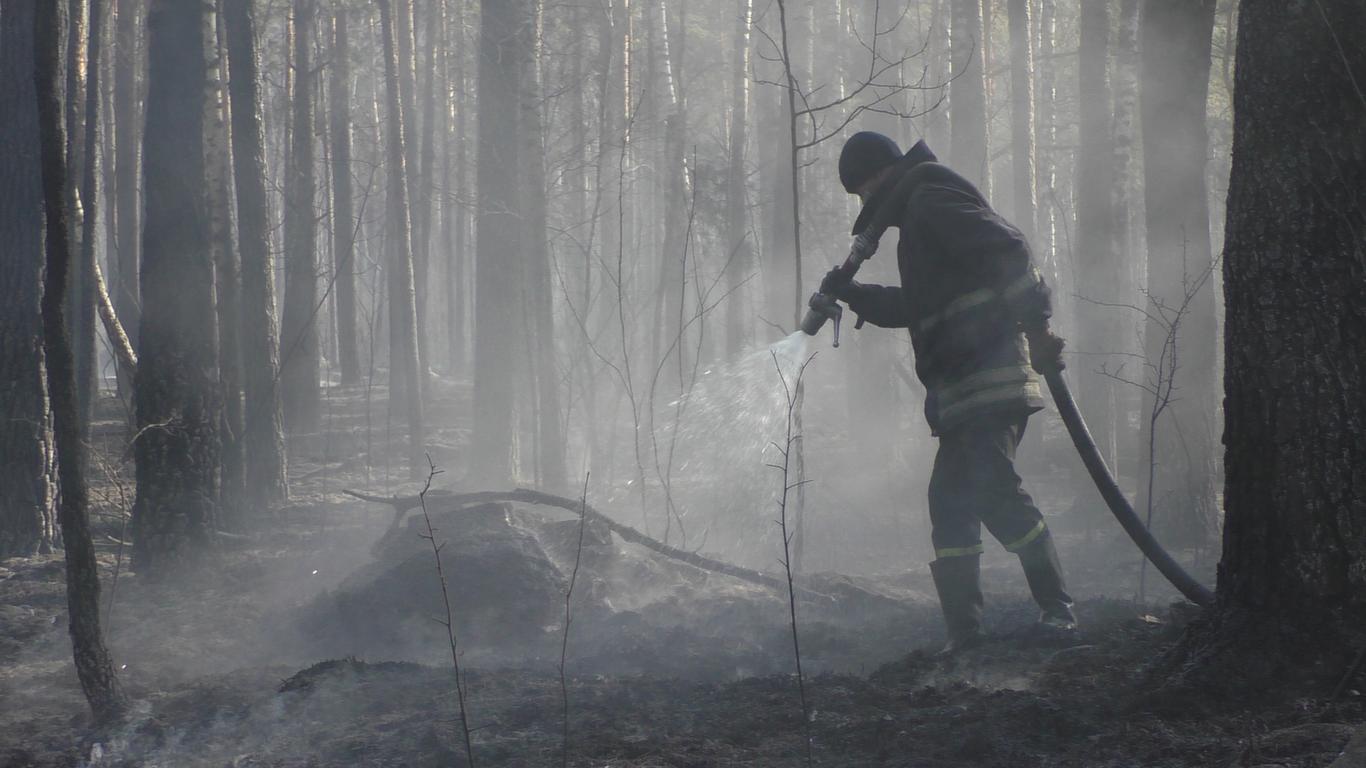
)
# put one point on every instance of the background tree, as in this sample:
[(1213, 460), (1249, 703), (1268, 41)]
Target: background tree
[(93, 665), (1294, 551), (1175, 87), (343, 212), (498, 245), (27, 515), (263, 431), (178, 407), (300, 355), (969, 152), (127, 137)]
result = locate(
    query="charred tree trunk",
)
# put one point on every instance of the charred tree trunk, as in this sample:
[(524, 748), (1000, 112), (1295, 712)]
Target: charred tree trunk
[(227, 266), (969, 154), (300, 356), (403, 349), (343, 214), (27, 524), (127, 61), (1295, 338), (178, 407), (93, 665), (739, 243), (263, 431), (1175, 86), (498, 248)]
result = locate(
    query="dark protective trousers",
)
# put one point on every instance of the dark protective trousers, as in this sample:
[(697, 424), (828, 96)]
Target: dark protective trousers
[(974, 483)]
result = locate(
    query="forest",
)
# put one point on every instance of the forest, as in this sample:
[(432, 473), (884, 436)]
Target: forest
[(485, 382)]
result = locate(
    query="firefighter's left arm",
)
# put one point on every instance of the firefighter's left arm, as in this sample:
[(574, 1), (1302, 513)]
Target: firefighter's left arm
[(996, 251)]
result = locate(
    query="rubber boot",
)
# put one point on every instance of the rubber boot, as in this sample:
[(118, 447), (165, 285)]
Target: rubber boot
[(960, 596), (1043, 571)]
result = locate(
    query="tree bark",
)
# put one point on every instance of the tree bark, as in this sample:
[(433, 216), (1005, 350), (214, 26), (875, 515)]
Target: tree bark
[(343, 213), (1097, 268), (263, 430), (498, 245), (403, 349), (1295, 383), (1022, 117), (127, 137), (739, 242), (300, 356), (81, 303), (27, 523), (94, 668), (178, 405), (412, 159), (1175, 86), (969, 153), (550, 462)]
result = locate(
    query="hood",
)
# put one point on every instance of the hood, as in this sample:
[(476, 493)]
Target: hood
[(920, 153)]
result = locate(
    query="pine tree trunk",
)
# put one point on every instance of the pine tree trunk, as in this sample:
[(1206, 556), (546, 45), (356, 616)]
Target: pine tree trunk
[(81, 191), (1022, 117), (1175, 81), (343, 214), (178, 406), (413, 170), (1045, 245), (27, 524), (498, 246), (227, 266), (94, 668), (969, 154), (127, 60), (550, 462), (1097, 267), (1295, 383), (300, 361), (457, 218), (739, 242), (403, 348), (263, 430)]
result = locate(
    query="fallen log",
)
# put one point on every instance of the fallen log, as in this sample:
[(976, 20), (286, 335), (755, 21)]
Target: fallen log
[(402, 504)]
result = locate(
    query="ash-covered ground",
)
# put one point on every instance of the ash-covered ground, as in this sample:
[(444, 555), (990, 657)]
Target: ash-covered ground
[(312, 638)]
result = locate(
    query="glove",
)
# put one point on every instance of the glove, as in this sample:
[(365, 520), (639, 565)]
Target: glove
[(1045, 350), (837, 282)]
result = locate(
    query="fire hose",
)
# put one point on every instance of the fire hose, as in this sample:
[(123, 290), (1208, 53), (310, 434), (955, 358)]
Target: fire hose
[(822, 308)]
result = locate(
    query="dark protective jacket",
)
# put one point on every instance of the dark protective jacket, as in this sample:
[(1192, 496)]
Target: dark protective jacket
[(968, 287)]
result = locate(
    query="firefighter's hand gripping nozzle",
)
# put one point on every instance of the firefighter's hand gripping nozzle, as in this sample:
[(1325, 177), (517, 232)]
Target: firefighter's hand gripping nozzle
[(822, 305), (819, 309)]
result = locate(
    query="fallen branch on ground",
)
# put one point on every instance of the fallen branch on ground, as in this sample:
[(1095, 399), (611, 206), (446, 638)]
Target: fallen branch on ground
[(402, 504)]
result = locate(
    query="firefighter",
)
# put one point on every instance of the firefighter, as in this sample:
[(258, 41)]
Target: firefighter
[(978, 311)]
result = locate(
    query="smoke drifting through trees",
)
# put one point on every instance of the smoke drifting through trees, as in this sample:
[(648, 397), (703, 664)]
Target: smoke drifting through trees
[(567, 254)]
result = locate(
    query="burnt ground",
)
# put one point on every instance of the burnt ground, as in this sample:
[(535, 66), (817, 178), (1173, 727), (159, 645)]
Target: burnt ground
[(297, 644)]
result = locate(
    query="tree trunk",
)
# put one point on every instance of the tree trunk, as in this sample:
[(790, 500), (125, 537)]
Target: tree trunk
[(498, 246), (263, 431), (550, 463), (178, 407), (127, 62), (1044, 139), (300, 357), (1022, 117), (738, 241), (94, 668), (227, 267), (413, 171), (343, 214), (1295, 382), (455, 215), (1175, 84), (1097, 268), (27, 524), (403, 348), (969, 154), (81, 317)]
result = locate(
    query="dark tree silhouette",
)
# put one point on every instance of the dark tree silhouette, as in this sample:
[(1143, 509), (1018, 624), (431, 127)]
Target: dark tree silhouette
[(93, 665), (178, 404), (27, 487)]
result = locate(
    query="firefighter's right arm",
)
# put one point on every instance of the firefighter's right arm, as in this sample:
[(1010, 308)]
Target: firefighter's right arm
[(881, 305)]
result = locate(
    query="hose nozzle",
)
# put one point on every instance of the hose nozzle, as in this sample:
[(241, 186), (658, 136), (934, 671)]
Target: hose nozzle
[(821, 308)]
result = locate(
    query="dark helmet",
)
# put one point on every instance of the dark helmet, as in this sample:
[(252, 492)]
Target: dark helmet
[(864, 154)]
